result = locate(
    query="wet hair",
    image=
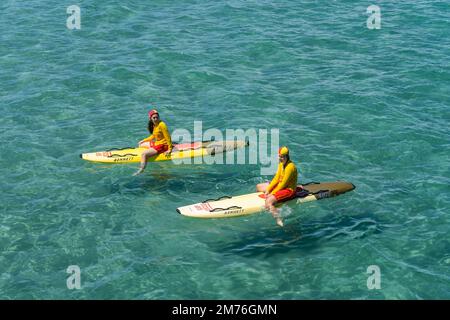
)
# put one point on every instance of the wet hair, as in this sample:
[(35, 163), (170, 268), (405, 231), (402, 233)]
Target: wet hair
[(150, 126)]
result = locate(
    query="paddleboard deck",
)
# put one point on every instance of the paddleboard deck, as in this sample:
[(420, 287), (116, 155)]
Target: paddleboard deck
[(180, 151), (226, 206)]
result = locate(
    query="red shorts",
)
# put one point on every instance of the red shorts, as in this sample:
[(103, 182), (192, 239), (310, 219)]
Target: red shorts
[(160, 148), (284, 195)]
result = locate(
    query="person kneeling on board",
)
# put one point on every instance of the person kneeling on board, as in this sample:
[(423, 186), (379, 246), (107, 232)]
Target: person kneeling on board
[(283, 185), (158, 132)]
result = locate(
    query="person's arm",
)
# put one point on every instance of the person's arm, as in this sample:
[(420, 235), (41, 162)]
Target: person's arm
[(274, 180), (150, 138), (288, 172), (167, 137)]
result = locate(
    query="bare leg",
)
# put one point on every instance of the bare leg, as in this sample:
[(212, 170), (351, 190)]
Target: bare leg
[(261, 187), (144, 157), (270, 204)]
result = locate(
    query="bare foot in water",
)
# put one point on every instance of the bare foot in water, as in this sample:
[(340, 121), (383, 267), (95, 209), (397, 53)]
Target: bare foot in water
[(138, 172), (280, 222)]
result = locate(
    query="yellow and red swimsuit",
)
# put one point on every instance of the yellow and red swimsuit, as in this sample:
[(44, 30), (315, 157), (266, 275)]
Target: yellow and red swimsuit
[(283, 186), (161, 135)]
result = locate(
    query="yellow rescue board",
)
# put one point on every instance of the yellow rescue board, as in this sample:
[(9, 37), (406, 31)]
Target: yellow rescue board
[(227, 207), (131, 155)]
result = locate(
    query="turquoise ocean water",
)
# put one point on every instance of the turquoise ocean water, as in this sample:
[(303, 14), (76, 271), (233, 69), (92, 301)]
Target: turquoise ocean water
[(366, 106)]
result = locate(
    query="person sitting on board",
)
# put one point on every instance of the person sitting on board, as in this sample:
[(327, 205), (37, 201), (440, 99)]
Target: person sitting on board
[(158, 132), (283, 185)]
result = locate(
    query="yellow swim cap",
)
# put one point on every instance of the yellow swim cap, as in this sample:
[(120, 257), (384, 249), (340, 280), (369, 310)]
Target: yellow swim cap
[(283, 151)]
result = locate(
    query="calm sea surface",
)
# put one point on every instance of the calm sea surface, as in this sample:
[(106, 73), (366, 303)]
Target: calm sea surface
[(366, 106)]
